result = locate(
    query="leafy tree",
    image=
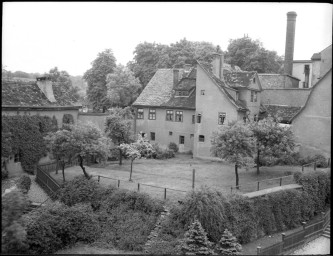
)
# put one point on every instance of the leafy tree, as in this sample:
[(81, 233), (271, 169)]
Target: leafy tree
[(104, 64), (81, 140), (250, 55), (5, 73), (228, 244), (138, 149), (196, 241), (272, 140), (123, 88), (118, 127), (235, 144)]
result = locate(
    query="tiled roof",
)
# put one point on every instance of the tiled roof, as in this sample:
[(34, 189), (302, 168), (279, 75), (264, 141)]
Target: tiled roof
[(238, 79), (27, 93), (182, 102), (316, 56), (286, 113), (158, 90), (222, 85), (274, 81), (185, 84)]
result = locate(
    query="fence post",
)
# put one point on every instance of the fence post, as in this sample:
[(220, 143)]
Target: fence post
[(164, 193), (303, 224), (315, 166), (231, 190), (98, 178), (302, 168), (118, 183), (138, 186), (280, 182), (283, 236), (322, 215), (193, 178), (258, 250), (258, 185)]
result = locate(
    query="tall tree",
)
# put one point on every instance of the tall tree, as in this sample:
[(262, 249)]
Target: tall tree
[(118, 127), (250, 55), (122, 87), (136, 150), (104, 64), (234, 143), (80, 140), (272, 140)]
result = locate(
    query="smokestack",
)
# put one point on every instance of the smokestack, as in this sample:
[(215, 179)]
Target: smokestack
[(218, 65), (290, 41)]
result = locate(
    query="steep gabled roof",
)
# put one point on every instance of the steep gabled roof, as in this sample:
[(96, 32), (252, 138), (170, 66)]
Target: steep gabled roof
[(222, 86), (181, 102), (286, 113), (26, 93)]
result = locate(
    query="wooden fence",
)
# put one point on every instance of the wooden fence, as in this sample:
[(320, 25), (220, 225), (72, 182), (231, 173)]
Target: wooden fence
[(162, 192), (297, 238), (44, 178)]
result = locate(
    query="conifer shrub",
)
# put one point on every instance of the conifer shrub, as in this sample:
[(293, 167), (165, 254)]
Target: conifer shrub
[(228, 244), (195, 241), (24, 183)]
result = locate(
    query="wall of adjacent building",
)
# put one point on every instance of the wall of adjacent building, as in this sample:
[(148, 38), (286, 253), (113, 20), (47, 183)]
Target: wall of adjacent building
[(209, 105), (298, 71), (254, 107), (161, 127), (326, 60), (312, 126), (294, 97)]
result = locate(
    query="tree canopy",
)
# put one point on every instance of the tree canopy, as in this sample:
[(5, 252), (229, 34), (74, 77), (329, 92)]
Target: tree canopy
[(250, 55), (104, 64), (122, 87)]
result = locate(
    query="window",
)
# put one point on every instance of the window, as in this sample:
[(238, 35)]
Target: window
[(152, 114), (252, 96), (199, 118), (255, 96), (254, 79), (202, 92), (221, 117), (255, 118), (139, 113), (193, 119), (179, 116), (181, 139), (169, 115), (244, 119), (191, 136), (170, 133), (17, 157), (201, 138), (181, 93), (152, 136)]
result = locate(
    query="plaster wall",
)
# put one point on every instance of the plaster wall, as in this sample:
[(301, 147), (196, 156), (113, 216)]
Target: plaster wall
[(326, 60), (161, 127), (209, 105), (298, 71), (254, 107), (312, 126), (315, 72)]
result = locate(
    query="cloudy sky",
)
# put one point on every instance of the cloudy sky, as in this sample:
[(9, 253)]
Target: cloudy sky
[(38, 36)]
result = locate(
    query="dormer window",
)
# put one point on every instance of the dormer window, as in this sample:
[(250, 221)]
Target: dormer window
[(254, 80), (181, 93)]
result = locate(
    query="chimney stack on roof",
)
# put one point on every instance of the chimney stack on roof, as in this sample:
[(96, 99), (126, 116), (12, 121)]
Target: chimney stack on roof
[(218, 65), (290, 41), (45, 85), (175, 77)]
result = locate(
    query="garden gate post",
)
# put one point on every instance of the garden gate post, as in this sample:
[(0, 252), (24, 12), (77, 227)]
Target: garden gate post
[(164, 193), (193, 178)]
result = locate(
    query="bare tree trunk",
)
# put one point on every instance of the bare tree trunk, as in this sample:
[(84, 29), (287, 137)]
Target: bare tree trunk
[(258, 153), (120, 157), (83, 169), (131, 170), (237, 178)]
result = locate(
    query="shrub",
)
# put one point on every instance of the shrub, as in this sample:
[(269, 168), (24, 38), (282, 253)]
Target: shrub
[(13, 233), (160, 246), (320, 160), (195, 240), (4, 173), (78, 190), (228, 244), (24, 183), (55, 226), (288, 159), (265, 216), (173, 146)]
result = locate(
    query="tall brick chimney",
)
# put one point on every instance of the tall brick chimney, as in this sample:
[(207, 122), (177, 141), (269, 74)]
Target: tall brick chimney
[(45, 85), (290, 41), (218, 65)]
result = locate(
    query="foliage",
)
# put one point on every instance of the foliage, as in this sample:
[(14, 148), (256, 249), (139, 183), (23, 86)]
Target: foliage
[(160, 153), (173, 146), (67, 119), (250, 55), (4, 171), (80, 140), (160, 246), (23, 135), (228, 244), (122, 87), (235, 144), (196, 241), (96, 76), (272, 140), (55, 226), (24, 183), (12, 228), (320, 160)]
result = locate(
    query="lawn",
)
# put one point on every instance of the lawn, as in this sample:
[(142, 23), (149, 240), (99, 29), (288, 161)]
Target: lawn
[(176, 173)]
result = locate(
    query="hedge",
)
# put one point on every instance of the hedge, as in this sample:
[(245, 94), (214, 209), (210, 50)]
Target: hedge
[(24, 183)]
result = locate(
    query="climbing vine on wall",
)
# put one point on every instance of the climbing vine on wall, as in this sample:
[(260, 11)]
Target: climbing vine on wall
[(24, 136)]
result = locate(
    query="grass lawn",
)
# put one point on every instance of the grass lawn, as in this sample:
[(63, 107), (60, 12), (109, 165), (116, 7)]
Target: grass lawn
[(176, 173)]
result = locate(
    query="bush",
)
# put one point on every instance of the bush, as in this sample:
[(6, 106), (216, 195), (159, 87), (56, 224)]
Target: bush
[(55, 226), (4, 173), (164, 247), (288, 159), (24, 183), (78, 190), (165, 154), (173, 146), (320, 160)]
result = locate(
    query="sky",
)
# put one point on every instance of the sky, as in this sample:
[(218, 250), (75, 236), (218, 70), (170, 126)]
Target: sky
[(37, 36)]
